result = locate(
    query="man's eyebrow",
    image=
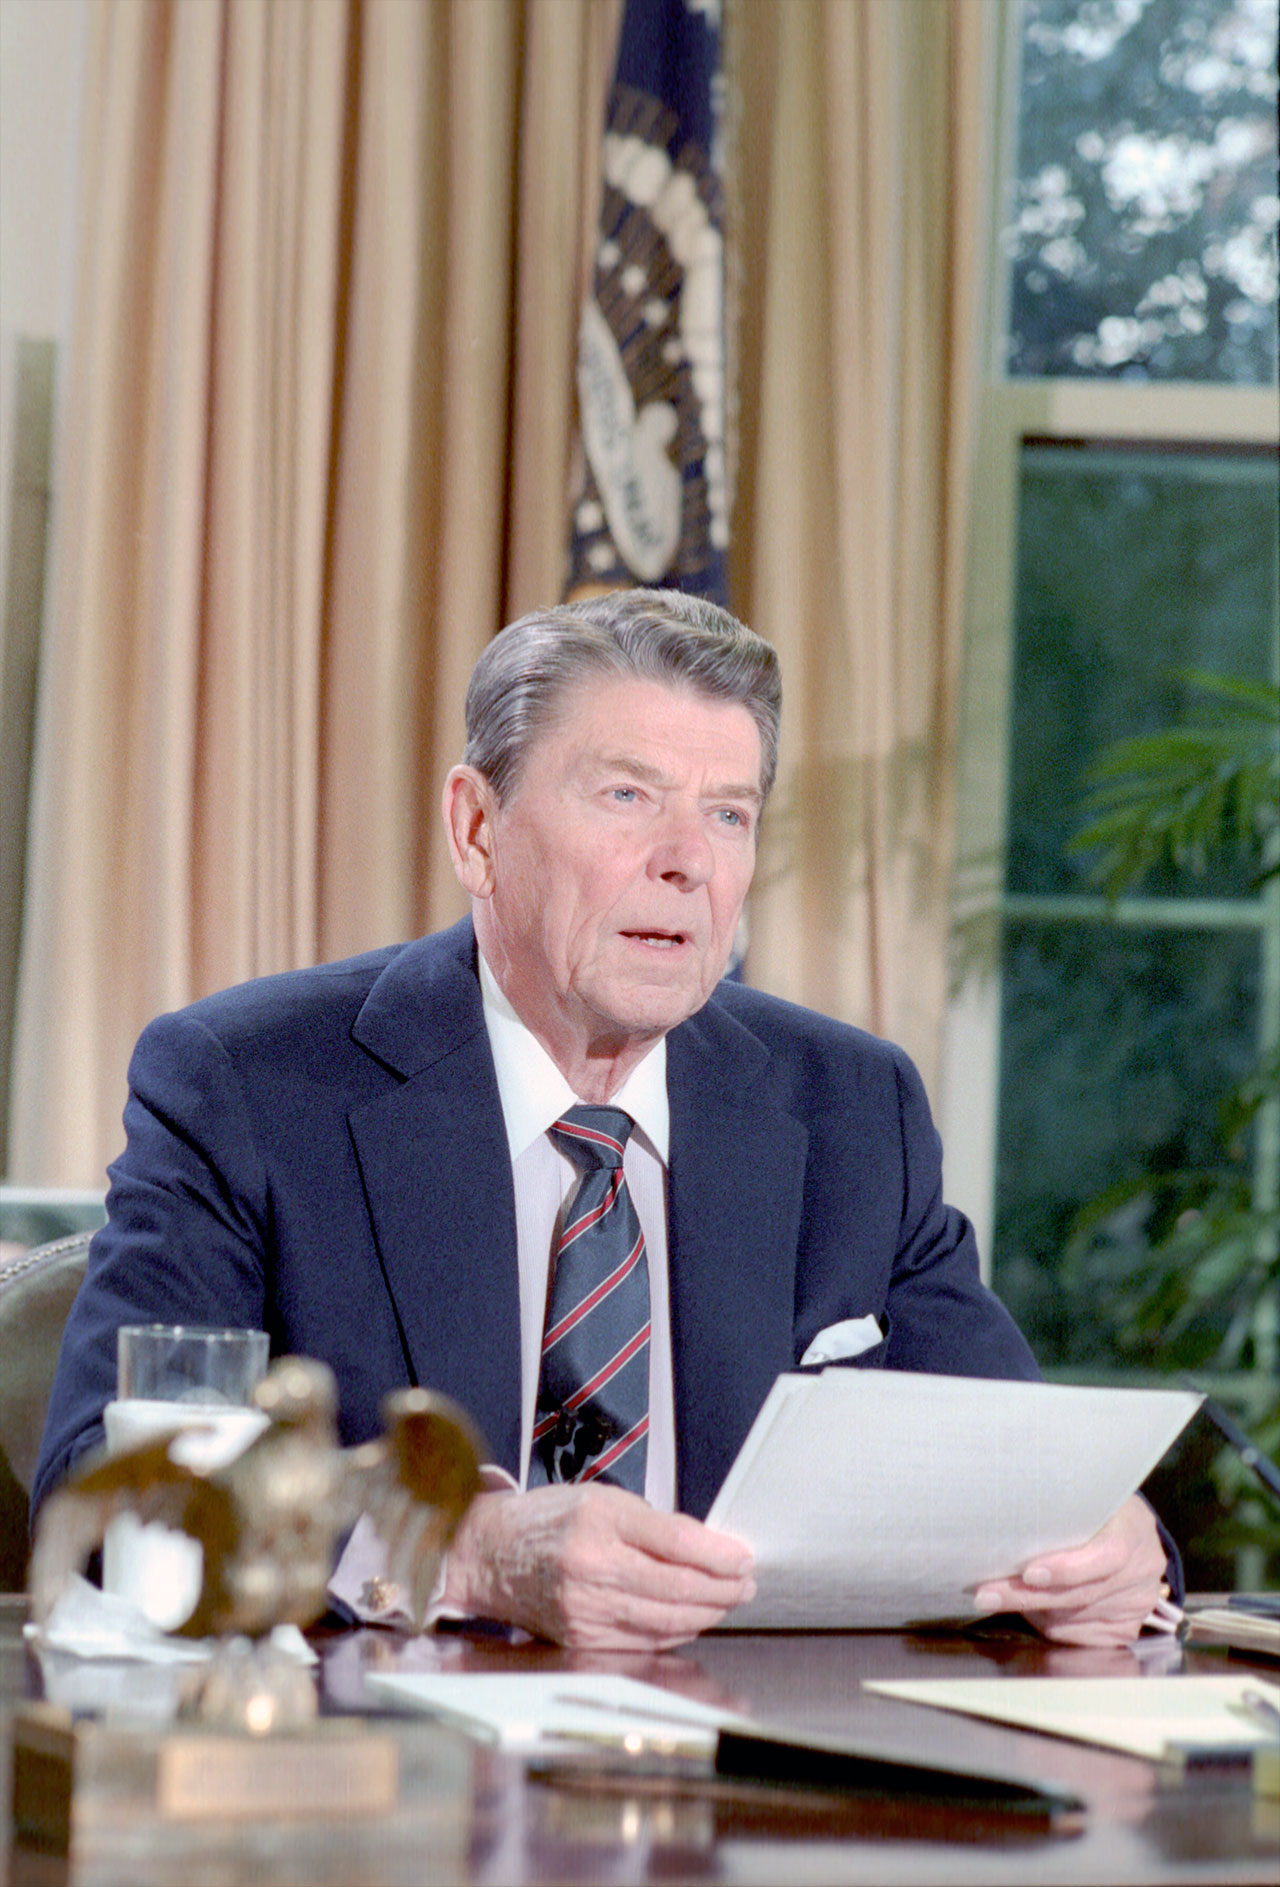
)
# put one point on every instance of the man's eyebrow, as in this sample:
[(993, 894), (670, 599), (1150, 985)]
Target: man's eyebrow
[(650, 775)]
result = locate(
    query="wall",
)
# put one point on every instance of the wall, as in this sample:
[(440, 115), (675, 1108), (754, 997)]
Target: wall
[(41, 72), (42, 58)]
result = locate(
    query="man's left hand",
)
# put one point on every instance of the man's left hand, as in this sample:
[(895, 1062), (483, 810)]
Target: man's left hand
[(1096, 1594)]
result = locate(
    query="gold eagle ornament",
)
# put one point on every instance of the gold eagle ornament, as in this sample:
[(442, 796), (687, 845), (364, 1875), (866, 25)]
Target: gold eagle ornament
[(269, 1522)]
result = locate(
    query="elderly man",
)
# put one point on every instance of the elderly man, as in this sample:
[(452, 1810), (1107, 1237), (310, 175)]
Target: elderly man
[(551, 1164)]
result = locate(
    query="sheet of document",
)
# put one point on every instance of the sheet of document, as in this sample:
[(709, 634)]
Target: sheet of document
[(1144, 1716), (1242, 1630), (554, 1710), (883, 1499)]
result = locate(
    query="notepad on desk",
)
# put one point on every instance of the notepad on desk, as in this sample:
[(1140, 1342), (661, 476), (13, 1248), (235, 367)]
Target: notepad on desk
[(883, 1499), (1156, 1717)]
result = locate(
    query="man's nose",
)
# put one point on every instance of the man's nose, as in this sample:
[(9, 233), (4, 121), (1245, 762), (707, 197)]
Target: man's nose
[(683, 852)]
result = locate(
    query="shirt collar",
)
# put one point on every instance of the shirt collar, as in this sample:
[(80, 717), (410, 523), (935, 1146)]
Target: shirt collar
[(534, 1093)]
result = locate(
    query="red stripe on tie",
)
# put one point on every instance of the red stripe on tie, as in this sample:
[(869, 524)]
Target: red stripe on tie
[(615, 1453), (616, 1362), (588, 1219), (595, 1297), (591, 1134)]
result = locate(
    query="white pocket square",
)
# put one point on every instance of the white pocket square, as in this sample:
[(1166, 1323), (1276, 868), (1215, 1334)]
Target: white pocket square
[(840, 1341)]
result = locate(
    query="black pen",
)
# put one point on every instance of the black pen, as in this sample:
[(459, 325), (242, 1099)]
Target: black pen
[(847, 1770)]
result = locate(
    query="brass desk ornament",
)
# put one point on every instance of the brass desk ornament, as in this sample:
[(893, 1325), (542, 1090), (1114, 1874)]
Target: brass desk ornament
[(249, 1743)]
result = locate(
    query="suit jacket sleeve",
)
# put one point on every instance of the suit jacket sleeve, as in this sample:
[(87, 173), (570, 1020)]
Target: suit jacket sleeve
[(184, 1238)]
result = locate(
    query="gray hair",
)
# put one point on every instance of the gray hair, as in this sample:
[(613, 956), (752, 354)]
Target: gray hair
[(522, 681)]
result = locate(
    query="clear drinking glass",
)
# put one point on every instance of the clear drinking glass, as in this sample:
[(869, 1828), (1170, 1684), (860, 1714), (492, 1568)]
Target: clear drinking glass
[(189, 1363), (199, 1380)]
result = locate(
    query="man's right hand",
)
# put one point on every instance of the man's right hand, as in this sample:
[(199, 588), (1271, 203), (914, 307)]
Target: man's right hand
[(594, 1567)]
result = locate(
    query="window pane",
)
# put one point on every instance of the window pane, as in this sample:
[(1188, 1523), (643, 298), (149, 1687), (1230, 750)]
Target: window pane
[(1118, 1042), (1132, 567), (1115, 1048), (1143, 229)]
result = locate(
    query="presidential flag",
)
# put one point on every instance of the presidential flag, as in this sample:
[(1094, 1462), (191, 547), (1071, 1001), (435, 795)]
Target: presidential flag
[(653, 382)]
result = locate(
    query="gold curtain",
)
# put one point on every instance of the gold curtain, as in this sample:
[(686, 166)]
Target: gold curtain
[(310, 463), (315, 446), (858, 411)]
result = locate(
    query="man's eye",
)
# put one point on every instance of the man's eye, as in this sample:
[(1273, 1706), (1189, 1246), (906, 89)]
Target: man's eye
[(732, 816), (627, 793)]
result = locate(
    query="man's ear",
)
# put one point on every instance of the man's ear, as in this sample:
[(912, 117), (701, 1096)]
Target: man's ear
[(469, 808)]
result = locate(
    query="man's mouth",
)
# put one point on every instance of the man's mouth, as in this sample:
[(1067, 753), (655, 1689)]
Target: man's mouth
[(657, 939)]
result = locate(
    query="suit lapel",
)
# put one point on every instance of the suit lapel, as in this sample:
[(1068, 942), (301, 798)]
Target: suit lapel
[(736, 1186), (436, 1169)]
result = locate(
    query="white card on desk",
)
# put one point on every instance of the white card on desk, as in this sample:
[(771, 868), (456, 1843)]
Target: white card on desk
[(551, 1710), (883, 1499)]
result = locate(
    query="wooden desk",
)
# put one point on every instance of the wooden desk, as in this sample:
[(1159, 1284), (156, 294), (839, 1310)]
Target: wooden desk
[(477, 1817)]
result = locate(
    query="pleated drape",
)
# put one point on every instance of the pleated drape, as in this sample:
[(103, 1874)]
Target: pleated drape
[(315, 447), (852, 518)]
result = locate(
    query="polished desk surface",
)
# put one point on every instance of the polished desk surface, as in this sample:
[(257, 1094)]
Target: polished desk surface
[(470, 1814)]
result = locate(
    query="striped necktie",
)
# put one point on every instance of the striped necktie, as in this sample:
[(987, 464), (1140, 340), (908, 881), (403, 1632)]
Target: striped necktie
[(592, 1418)]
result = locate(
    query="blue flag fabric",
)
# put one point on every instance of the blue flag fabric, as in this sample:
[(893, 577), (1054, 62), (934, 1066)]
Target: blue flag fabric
[(655, 497)]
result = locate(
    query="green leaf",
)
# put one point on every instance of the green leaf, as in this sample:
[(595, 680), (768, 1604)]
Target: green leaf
[(1189, 795)]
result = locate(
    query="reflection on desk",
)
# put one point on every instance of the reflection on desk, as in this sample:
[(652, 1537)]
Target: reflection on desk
[(503, 1826)]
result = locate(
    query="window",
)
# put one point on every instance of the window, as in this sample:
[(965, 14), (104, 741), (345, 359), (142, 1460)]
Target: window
[(1142, 232), (1120, 1027), (1124, 533)]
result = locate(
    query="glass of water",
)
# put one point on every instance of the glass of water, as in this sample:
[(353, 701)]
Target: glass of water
[(199, 1381)]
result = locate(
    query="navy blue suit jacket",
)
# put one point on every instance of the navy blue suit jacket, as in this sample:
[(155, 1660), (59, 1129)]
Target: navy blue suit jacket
[(322, 1154)]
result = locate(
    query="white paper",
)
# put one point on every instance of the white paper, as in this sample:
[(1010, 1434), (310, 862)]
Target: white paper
[(87, 1623), (553, 1710), (883, 1499), (1144, 1716), (91, 1624)]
